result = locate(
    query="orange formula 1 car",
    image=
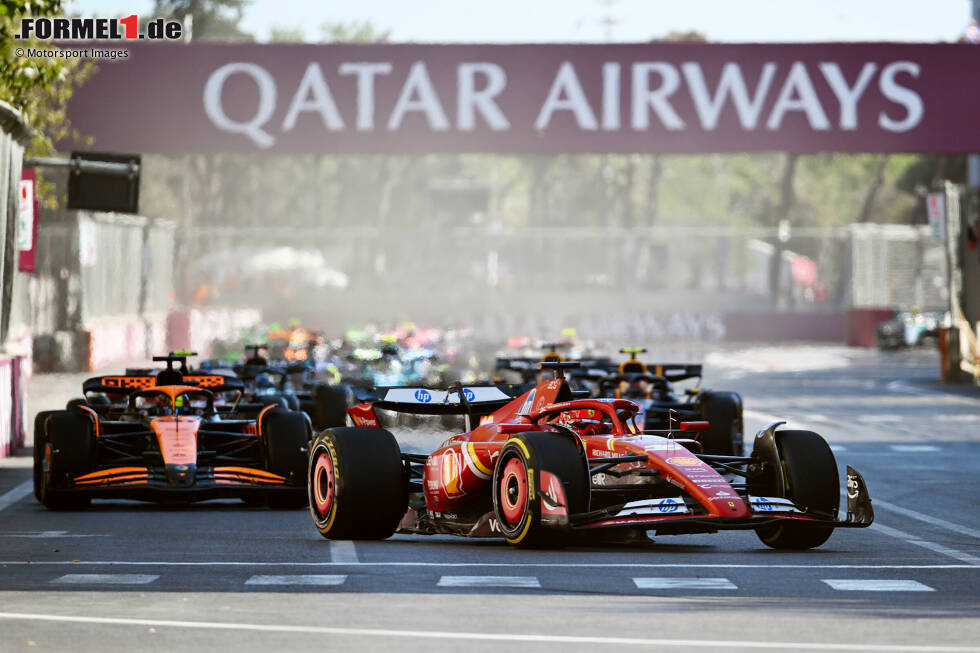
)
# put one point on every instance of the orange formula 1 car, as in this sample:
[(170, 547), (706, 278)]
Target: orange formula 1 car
[(160, 437), (548, 467)]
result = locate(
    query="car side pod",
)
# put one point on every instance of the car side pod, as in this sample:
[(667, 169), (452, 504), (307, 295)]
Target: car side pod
[(859, 509)]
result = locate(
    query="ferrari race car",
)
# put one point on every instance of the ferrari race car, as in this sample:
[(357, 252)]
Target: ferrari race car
[(546, 468), (162, 437)]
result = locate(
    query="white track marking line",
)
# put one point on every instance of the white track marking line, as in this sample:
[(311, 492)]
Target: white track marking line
[(684, 583), (913, 448), (343, 551), (305, 579), (489, 581), (929, 519), (853, 585), (105, 579), (508, 565), (13, 496), (879, 419), (48, 535), (926, 544), (498, 637)]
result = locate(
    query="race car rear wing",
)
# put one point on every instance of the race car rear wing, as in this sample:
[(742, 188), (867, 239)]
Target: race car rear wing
[(129, 383), (670, 371), (676, 371), (470, 401)]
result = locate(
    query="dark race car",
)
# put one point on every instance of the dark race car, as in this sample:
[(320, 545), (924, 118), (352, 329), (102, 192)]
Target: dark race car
[(548, 468), (651, 386), (289, 382), (162, 437)]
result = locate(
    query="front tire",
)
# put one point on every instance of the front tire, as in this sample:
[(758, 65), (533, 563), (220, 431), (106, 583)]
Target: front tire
[(356, 483), (517, 487), (810, 481), (66, 454), (39, 442)]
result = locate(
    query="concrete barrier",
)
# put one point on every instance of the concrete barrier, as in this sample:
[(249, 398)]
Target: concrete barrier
[(13, 390), (781, 327), (862, 325)]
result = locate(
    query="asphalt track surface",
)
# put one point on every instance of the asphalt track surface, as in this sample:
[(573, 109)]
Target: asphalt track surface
[(125, 576)]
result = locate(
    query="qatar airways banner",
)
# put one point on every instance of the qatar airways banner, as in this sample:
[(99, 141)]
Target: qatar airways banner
[(547, 99)]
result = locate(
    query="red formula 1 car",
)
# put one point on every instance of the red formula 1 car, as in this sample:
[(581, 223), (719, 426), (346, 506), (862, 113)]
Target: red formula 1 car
[(162, 437), (548, 467)]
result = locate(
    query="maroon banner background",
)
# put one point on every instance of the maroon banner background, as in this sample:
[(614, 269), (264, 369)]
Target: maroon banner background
[(547, 99)]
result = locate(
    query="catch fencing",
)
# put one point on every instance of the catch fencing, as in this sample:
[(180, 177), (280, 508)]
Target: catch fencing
[(553, 276), (102, 288)]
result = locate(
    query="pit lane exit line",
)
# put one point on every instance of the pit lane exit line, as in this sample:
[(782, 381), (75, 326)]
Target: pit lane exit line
[(926, 544), (13, 496), (499, 637)]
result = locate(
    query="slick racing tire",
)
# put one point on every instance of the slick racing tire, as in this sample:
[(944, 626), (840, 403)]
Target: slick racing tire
[(723, 411), (286, 437), (39, 439), (357, 484), (517, 487), (811, 481), (66, 453), (329, 406)]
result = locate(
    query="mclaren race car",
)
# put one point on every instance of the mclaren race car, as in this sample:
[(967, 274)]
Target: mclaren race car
[(162, 437), (549, 467)]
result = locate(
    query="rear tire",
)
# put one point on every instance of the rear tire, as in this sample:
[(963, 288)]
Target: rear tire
[(329, 406), (67, 453), (812, 482), (723, 411), (286, 437), (517, 486), (357, 484)]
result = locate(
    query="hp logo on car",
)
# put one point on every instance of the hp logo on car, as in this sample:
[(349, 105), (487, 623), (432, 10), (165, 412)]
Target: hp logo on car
[(423, 396), (470, 396), (668, 505)]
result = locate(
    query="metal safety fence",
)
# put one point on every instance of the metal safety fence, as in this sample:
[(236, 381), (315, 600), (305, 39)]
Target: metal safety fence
[(716, 267)]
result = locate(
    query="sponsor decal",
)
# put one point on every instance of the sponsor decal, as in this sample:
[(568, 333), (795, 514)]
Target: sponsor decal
[(526, 406), (486, 419), (669, 505), (852, 487), (451, 479), (423, 395), (772, 504), (553, 491), (684, 462), (470, 396), (665, 506)]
